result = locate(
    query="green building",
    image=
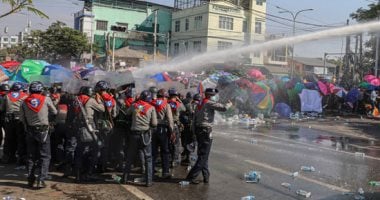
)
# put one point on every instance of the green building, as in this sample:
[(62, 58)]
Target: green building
[(130, 21)]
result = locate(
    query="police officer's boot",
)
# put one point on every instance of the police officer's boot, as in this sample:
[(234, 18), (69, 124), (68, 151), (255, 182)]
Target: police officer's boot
[(41, 184), (78, 178), (31, 180), (124, 179)]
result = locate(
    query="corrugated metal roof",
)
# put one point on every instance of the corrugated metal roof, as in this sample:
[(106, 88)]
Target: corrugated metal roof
[(316, 62)]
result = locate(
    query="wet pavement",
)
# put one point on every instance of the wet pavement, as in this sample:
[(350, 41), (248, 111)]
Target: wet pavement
[(276, 150)]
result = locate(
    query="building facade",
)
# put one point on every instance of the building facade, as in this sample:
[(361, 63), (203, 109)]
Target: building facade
[(8, 41), (210, 25), (98, 19)]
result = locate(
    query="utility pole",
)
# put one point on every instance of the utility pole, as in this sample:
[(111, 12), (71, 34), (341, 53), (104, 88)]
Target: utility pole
[(356, 57), (113, 51), (294, 16), (167, 46), (348, 49), (155, 37), (377, 46)]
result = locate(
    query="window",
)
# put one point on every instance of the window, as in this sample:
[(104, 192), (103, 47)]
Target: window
[(259, 2), (101, 25), (186, 46), (245, 26), (198, 22), (258, 27), (81, 25), (5, 39), (197, 46), (226, 23), (176, 48), (224, 45), (158, 27), (126, 25), (187, 25), (13, 40), (177, 27), (256, 54)]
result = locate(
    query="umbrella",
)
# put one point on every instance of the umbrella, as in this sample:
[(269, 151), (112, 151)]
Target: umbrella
[(256, 74), (283, 109), (57, 73), (369, 77), (32, 68), (10, 64), (375, 82)]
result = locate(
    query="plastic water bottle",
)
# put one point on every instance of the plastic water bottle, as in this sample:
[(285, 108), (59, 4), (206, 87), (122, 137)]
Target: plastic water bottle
[(359, 154), (308, 169), (361, 191), (252, 177), (294, 174), (303, 193), (286, 185), (374, 183), (116, 178), (250, 197), (184, 183)]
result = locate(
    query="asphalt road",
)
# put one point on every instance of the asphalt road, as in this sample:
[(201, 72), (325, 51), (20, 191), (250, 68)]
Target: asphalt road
[(276, 152)]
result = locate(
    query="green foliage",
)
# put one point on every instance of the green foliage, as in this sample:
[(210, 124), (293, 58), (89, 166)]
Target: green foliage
[(57, 44), (362, 15), (18, 5)]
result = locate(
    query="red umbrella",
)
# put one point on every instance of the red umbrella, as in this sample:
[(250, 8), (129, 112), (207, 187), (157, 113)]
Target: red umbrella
[(10, 64), (369, 78)]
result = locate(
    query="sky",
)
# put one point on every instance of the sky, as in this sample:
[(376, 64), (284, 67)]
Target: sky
[(326, 12)]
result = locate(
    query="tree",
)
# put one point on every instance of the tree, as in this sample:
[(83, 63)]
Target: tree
[(364, 15), (62, 44), (18, 5), (58, 44)]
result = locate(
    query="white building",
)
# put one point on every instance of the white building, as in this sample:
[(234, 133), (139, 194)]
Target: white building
[(8, 41), (210, 25)]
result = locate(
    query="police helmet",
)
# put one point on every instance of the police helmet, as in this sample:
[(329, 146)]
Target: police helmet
[(161, 93), (146, 96), (173, 92), (86, 91), (16, 87), (4, 87), (197, 97), (211, 91), (36, 87), (189, 95), (153, 90), (102, 86)]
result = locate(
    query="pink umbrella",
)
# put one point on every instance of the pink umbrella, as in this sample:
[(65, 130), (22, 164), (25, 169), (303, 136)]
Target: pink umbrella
[(375, 82), (256, 74), (323, 88), (369, 78)]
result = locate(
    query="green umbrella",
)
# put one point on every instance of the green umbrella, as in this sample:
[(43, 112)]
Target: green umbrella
[(32, 68)]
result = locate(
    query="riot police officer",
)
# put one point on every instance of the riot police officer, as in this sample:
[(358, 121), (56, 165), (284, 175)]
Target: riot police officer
[(86, 152), (4, 89), (203, 120), (15, 135), (161, 137), (34, 114), (143, 119), (186, 119), (104, 122), (177, 108)]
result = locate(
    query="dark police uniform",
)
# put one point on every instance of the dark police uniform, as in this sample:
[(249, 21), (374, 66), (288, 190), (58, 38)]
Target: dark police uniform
[(203, 120), (143, 119), (34, 114)]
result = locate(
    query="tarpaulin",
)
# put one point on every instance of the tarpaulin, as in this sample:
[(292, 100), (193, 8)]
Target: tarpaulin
[(10, 64), (311, 101)]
